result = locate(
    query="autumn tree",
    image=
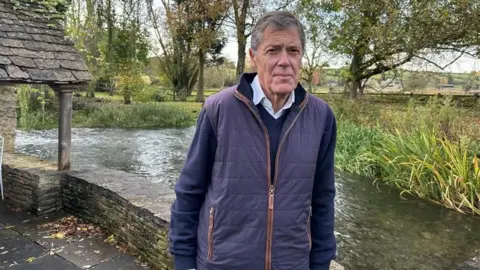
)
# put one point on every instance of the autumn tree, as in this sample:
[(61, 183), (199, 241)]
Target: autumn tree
[(207, 18), (187, 33), (378, 36)]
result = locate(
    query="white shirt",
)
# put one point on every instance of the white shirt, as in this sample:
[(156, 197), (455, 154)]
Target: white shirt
[(259, 97)]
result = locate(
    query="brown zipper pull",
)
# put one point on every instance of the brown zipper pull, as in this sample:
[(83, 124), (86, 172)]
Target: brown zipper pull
[(270, 201)]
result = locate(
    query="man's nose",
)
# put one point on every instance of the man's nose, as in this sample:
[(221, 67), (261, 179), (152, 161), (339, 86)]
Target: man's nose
[(283, 59)]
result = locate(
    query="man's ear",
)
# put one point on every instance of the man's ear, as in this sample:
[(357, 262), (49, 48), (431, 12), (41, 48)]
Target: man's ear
[(251, 53)]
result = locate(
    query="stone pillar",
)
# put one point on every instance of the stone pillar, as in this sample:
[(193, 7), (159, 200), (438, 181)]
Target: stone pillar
[(64, 93), (8, 117)]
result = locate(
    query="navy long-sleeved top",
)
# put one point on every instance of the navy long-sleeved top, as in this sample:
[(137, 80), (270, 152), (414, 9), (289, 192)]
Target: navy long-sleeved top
[(195, 178)]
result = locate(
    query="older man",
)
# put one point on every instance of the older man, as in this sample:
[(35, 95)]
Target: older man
[(257, 188)]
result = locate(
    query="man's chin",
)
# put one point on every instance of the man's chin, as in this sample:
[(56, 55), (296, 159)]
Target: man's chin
[(283, 89)]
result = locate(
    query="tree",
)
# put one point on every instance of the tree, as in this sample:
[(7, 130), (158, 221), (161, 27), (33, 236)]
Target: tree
[(188, 35), (315, 44), (207, 17), (174, 36), (130, 48), (84, 26), (378, 36)]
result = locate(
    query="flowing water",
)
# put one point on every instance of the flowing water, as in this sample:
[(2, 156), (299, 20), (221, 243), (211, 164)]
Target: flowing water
[(375, 228)]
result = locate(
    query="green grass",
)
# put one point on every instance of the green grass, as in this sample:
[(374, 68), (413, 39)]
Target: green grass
[(135, 116), (106, 111)]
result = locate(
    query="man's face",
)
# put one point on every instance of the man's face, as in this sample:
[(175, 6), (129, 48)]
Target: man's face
[(278, 60)]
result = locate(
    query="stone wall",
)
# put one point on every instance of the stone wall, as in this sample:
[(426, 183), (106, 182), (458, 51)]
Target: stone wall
[(31, 184), (134, 210), (8, 116)]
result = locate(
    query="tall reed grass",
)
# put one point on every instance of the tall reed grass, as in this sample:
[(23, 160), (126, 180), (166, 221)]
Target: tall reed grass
[(431, 151)]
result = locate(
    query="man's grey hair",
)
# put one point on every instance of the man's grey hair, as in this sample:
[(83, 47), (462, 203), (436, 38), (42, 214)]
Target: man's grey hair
[(279, 20)]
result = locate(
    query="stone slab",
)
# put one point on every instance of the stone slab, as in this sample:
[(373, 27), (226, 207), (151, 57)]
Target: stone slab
[(34, 223), (47, 262), (6, 233), (45, 239), (18, 250), (11, 218), (23, 222), (121, 262), (157, 198), (88, 252)]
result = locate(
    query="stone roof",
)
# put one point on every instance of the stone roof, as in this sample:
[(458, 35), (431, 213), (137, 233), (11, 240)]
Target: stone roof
[(33, 48)]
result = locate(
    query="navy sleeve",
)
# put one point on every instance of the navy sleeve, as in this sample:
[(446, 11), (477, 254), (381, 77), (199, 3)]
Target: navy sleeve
[(322, 220), (190, 193)]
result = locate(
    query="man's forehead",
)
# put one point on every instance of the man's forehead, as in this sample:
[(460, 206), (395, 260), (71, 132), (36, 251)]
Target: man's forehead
[(281, 38)]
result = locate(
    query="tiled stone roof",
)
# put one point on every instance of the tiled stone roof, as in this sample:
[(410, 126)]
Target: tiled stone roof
[(33, 49)]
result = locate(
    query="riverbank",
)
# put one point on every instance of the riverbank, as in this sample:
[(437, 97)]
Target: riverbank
[(428, 148), (105, 111), (431, 151)]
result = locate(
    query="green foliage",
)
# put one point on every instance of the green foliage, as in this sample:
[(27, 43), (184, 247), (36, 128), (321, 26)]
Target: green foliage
[(35, 106), (160, 115), (430, 151), (130, 82), (152, 93), (50, 10), (432, 168), (354, 148)]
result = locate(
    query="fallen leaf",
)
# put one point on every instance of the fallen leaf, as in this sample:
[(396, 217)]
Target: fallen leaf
[(31, 259), (5, 252), (59, 235)]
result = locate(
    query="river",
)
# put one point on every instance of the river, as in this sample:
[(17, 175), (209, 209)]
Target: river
[(375, 228)]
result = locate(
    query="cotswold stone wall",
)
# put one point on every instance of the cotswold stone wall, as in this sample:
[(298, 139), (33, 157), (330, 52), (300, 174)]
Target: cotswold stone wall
[(131, 208), (8, 116), (31, 184)]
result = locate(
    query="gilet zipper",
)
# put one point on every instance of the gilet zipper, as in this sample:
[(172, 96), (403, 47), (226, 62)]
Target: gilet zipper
[(271, 186)]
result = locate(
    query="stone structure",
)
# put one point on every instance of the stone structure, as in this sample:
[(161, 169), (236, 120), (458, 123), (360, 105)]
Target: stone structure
[(120, 203), (8, 117), (34, 50), (31, 184)]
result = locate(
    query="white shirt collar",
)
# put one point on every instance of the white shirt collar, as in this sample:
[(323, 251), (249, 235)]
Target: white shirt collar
[(259, 97)]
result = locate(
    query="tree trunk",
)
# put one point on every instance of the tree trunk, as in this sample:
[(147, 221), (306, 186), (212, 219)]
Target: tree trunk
[(109, 44), (242, 45), (354, 71), (353, 89), (91, 89), (201, 82), (310, 81), (127, 97)]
